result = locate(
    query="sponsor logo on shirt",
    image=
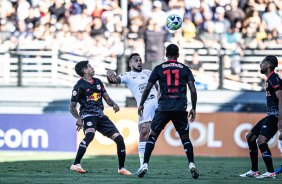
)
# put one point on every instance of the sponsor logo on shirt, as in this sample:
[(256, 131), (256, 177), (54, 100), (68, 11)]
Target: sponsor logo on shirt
[(172, 65), (89, 123), (87, 90), (99, 86), (95, 97), (267, 93), (74, 93)]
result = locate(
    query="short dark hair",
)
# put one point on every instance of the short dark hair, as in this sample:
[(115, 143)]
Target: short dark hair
[(172, 50), (80, 66), (273, 60), (133, 54)]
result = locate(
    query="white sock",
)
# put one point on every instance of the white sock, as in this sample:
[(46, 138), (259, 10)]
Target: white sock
[(141, 151), (280, 146)]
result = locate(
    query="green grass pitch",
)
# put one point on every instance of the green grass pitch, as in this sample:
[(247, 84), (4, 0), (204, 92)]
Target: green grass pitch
[(53, 168)]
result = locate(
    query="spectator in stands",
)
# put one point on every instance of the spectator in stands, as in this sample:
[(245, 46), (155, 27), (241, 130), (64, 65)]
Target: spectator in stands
[(249, 39), (210, 38), (158, 15), (235, 14), (270, 19), (135, 31), (21, 35), (176, 7), (231, 41), (261, 34), (270, 40), (78, 7), (154, 42), (22, 9), (6, 8), (97, 27), (201, 15), (58, 9), (196, 66), (221, 24), (146, 9), (189, 30), (31, 20), (252, 19), (259, 5), (229, 72)]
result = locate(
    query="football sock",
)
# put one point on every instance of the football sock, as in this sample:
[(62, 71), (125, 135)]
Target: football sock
[(149, 148), (141, 150), (253, 154), (188, 148), (83, 146), (266, 155), (120, 150)]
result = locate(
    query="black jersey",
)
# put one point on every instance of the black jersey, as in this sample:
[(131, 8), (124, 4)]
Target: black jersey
[(89, 96), (273, 84), (173, 78)]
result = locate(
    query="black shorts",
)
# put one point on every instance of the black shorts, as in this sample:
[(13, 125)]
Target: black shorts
[(266, 127), (102, 124), (178, 118)]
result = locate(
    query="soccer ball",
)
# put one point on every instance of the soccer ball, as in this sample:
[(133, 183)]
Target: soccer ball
[(173, 22)]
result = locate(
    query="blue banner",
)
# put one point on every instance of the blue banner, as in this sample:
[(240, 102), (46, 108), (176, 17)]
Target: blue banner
[(46, 132)]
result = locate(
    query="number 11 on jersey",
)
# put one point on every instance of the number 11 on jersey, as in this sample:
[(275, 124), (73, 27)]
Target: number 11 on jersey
[(168, 76)]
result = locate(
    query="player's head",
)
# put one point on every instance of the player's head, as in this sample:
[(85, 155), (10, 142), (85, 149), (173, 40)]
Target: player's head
[(172, 51), (135, 62), (269, 62), (83, 67)]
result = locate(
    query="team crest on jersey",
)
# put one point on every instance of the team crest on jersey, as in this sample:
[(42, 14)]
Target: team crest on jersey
[(142, 77), (89, 123), (99, 86), (74, 93)]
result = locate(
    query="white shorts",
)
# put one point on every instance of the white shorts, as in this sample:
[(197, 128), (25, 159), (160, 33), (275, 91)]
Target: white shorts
[(150, 106)]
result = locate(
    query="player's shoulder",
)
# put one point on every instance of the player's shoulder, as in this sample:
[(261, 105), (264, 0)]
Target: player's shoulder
[(125, 74)]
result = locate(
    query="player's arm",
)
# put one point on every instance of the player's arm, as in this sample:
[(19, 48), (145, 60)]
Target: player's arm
[(192, 88), (113, 78), (144, 97), (110, 102), (159, 90), (75, 114), (279, 96)]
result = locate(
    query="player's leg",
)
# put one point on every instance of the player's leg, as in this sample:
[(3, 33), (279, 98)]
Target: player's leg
[(181, 124), (253, 149), (107, 128), (89, 125), (144, 131), (161, 118), (279, 170), (268, 130)]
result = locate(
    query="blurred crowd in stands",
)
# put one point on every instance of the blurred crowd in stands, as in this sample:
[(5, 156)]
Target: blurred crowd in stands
[(94, 27)]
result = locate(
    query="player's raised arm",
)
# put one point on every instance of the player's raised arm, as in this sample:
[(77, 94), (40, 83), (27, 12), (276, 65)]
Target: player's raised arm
[(279, 96), (110, 102), (144, 97), (192, 88), (75, 114), (113, 78)]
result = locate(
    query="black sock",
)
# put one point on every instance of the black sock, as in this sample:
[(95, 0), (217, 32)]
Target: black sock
[(253, 154), (120, 150), (188, 148), (267, 158), (83, 146), (149, 148)]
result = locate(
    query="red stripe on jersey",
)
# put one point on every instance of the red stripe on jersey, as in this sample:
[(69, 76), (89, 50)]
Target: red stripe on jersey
[(172, 60), (92, 81), (270, 74)]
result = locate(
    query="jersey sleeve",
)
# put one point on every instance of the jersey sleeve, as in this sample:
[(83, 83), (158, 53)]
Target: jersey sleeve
[(154, 76), (75, 97), (190, 75), (275, 83), (123, 78), (103, 90)]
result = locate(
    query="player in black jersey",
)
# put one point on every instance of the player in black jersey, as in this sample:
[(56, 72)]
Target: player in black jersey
[(88, 92), (266, 128), (173, 78)]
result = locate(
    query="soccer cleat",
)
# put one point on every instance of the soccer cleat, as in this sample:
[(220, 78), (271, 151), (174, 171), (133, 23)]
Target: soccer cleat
[(142, 171), (77, 168), (193, 170), (124, 171), (268, 175), (250, 173), (279, 170), (137, 173)]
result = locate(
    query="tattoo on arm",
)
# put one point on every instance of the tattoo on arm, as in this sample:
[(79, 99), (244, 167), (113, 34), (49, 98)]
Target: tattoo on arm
[(73, 110), (193, 91), (108, 100)]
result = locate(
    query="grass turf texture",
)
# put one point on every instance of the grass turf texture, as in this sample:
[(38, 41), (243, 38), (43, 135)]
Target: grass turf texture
[(42, 167)]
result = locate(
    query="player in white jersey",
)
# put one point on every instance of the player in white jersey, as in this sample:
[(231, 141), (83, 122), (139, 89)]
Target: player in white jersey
[(279, 170), (136, 80)]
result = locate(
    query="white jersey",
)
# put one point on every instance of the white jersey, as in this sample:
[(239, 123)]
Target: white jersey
[(137, 82)]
